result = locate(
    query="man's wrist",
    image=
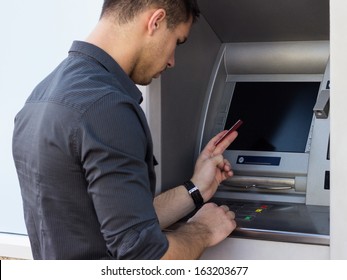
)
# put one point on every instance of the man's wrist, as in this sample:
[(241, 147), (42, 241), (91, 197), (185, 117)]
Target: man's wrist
[(195, 194), (188, 241)]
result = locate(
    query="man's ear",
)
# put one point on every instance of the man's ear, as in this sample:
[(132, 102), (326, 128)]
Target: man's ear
[(156, 19)]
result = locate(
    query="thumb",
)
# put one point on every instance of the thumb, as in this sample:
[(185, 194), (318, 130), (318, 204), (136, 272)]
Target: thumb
[(217, 160)]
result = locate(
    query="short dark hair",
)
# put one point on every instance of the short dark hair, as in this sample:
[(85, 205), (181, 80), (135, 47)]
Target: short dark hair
[(177, 11)]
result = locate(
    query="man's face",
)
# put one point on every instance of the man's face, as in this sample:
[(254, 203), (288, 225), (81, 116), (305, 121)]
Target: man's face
[(159, 53)]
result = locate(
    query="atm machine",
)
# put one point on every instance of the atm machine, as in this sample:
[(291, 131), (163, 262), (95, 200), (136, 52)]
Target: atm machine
[(267, 63), (280, 187)]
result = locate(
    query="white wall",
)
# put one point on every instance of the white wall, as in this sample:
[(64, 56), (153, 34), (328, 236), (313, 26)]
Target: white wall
[(35, 36), (338, 101)]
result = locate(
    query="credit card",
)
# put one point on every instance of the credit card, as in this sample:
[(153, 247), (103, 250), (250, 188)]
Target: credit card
[(232, 129)]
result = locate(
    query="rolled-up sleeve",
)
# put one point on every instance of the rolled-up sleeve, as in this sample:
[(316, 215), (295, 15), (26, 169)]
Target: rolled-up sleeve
[(113, 147)]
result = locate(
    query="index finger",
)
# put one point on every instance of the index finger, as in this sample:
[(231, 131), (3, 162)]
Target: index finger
[(212, 150), (232, 129), (223, 145)]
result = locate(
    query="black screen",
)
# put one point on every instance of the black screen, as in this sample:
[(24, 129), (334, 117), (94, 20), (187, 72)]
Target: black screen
[(277, 115)]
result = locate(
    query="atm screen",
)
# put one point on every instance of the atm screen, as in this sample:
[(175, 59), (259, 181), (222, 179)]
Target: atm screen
[(277, 115)]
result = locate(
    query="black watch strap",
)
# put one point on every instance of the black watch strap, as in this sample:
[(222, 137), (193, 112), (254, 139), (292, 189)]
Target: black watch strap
[(194, 193)]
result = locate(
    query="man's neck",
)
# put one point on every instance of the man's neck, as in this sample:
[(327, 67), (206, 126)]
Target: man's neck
[(121, 42)]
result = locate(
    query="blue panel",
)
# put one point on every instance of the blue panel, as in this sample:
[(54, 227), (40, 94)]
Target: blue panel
[(256, 160)]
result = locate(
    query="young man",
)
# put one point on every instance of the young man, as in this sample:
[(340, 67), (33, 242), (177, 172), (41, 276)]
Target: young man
[(83, 149)]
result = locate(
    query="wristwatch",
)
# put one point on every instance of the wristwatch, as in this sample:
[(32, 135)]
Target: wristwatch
[(194, 193)]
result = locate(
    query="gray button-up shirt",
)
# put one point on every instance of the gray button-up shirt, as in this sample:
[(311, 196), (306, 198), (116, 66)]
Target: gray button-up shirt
[(84, 158)]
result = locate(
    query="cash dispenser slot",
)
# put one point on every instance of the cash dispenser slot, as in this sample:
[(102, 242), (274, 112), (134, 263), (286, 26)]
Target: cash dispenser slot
[(262, 183)]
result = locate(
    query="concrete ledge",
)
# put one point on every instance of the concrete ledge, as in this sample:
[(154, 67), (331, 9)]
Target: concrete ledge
[(15, 246)]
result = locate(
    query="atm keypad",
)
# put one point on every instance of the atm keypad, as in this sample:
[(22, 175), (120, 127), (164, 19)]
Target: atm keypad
[(246, 212)]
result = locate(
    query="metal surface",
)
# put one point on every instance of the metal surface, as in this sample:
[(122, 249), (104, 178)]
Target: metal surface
[(261, 58), (287, 222), (260, 182), (270, 20)]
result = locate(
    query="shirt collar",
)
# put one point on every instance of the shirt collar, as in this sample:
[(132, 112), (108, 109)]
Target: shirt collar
[(110, 65)]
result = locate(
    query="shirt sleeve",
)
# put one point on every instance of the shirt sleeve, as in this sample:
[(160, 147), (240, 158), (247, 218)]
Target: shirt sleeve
[(113, 150)]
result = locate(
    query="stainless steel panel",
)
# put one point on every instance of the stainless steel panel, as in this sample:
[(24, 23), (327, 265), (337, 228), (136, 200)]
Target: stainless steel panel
[(288, 222), (261, 58), (270, 20)]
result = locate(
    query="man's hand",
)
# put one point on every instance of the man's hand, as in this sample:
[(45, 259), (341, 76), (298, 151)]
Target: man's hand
[(219, 221), (208, 227), (211, 168)]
